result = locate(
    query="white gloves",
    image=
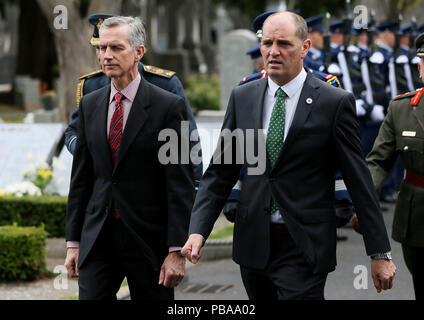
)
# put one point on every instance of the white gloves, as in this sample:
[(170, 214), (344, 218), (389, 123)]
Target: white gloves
[(360, 110), (377, 113)]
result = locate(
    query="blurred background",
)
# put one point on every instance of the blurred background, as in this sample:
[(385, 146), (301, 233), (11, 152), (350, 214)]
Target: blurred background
[(40, 65)]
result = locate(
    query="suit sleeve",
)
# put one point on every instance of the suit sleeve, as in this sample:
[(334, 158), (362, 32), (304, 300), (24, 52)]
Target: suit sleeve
[(82, 179), (383, 155), (358, 178), (71, 133), (179, 182), (218, 180)]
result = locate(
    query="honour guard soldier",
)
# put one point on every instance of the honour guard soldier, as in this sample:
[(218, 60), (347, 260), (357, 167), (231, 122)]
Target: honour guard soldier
[(404, 80), (315, 58), (402, 132), (336, 60), (164, 79), (383, 81)]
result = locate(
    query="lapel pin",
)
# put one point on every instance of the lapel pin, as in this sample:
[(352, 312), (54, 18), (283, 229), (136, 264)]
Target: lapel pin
[(309, 101)]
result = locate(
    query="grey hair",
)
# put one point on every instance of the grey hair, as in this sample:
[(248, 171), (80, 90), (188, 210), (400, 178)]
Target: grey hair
[(137, 36)]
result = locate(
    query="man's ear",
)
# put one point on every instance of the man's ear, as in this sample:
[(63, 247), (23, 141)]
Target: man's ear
[(306, 46), (139, 52)]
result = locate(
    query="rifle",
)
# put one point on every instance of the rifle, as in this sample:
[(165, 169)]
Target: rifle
[(327, 40), (347, 25), (398, 35)]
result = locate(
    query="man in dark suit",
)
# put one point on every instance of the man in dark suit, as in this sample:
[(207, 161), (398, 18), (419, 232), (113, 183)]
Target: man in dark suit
[(285, 227), (128, 213)]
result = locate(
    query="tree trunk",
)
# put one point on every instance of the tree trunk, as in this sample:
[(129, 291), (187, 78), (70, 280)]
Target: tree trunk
[(76, 56)]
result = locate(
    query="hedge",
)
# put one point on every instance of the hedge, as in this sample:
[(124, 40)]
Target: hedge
[(49, 211), (22, 253)]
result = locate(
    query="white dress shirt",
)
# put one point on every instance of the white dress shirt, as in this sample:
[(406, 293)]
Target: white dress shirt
[(292, 90)]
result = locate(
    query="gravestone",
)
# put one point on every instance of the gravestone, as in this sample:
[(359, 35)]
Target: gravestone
[(234, 64), (27, 93), (19, 140)]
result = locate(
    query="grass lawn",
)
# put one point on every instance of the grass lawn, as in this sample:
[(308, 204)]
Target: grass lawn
[(11, 114), (223, 233)]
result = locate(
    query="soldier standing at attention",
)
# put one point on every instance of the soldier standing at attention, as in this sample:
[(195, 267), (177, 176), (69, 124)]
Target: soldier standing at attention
[(402, 132)]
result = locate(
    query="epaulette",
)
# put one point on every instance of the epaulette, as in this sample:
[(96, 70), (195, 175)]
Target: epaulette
[(80, 88), (419, 93), (159, 71), (80, 91), (89, 75), (404, 95)]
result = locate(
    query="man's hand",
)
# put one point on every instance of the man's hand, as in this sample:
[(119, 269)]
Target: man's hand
[(173, 270), (192, 249), (71, 262), (383, 272)]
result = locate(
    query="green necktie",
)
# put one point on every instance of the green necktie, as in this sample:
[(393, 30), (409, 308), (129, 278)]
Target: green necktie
[(275, 137)]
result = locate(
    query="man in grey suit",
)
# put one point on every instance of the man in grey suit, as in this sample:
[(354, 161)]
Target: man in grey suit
[(285, 228)]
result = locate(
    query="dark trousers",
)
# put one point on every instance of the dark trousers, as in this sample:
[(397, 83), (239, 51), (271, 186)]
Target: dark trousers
[(286, 277), (115, 256), (415, 262)]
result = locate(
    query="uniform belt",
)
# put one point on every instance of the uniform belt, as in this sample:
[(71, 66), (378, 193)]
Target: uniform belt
[(414, 179)]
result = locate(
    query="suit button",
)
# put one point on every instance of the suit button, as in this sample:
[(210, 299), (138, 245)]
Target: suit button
[(405, 148), (114, 183)]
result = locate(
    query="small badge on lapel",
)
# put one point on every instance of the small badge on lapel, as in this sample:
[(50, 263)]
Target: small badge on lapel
[(309, 101)]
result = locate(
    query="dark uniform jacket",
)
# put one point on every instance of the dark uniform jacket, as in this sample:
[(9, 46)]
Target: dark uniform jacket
[(402, 132)]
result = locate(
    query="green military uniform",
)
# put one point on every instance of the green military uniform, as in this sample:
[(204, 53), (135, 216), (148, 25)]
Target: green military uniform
[(402, 132)]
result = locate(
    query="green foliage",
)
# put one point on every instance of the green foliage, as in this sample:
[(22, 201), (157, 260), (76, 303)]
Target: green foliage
[(250, 7), (22, 253), (223, 233), (49, 211), (311, 8), (203, 92)]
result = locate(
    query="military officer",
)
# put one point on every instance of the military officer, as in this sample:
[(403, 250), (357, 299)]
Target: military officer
[(162, 78), (315, 58), (415, 60), (402, 132)]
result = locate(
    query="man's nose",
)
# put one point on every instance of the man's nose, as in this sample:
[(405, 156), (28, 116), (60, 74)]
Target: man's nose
[(274, 51)]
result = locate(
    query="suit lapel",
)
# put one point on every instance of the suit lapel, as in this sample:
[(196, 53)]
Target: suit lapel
[(101, 127), (258, 104), (136, 120), (307, 99)]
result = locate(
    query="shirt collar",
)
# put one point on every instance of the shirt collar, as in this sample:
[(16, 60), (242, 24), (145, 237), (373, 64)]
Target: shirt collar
[(387, 48), (129, 92), (289, 88)]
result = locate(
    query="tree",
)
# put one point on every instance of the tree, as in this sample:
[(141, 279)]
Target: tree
[(75, 55)]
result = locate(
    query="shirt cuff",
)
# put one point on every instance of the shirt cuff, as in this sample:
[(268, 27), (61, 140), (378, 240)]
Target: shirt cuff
[(72, 244), (173, 249)]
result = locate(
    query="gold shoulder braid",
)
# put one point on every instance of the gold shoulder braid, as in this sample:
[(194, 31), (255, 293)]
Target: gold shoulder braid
[(80, 88), (159, 71), (80, 91)]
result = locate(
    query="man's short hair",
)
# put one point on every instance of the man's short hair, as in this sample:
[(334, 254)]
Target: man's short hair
[(137, 36), (300, 24)]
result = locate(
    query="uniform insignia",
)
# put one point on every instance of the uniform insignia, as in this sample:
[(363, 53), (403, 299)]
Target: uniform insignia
[(264, 74), (417, 97), (159, 71), (89, 75), (244, 79), (80, 91), (409, 133)]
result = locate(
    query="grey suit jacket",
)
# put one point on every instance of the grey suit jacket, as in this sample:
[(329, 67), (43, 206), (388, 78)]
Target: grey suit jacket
[(324, 136)]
